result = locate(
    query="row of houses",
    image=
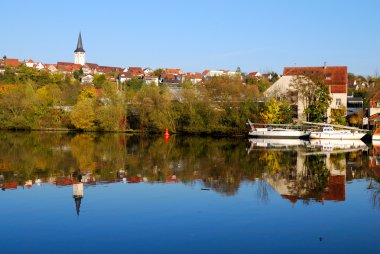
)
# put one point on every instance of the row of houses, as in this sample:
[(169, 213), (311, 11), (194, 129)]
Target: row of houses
[(119, 74)]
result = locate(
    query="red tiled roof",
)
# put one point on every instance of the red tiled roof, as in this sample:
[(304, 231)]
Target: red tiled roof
[(333, 76), (168, 76), (12, 62), (197, 75), (173, 71), (136, 71), (68, 67), (252, 74), (205, 72)]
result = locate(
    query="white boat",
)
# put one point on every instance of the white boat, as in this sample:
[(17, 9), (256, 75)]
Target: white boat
[(331, 133), (279, 133)]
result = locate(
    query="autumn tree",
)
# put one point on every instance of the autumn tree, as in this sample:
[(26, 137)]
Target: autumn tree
[(276, 112), (313, 94)]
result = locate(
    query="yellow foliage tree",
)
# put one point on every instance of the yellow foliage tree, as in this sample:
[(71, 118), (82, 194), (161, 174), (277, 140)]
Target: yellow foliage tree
[(83, 115)]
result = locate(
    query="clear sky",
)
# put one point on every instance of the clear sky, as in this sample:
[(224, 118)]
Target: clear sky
[(197, 35)]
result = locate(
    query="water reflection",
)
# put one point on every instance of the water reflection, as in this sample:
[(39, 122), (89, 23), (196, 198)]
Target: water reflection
[(298, 170)]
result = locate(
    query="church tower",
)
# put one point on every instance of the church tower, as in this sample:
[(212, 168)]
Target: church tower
[(79, 53)]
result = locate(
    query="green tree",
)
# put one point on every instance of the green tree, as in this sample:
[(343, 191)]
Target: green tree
[(314, 96), (99, 80)]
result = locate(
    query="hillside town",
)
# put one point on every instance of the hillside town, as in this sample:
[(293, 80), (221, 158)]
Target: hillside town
[(351, 100)]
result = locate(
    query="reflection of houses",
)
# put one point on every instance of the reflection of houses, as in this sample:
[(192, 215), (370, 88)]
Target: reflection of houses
[(374, 160), (302, 183)]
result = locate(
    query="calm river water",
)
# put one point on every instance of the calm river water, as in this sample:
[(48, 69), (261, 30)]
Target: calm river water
[(113, 193)]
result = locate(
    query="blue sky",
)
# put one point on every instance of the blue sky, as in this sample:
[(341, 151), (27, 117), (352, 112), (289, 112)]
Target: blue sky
[(197, 35)]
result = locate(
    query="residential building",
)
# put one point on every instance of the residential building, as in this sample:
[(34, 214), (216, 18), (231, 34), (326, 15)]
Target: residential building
[(354, 105), (194, 78), (87, 79), (335, 77), (374, 104), (136, 72), (151, 80), (9, 62)]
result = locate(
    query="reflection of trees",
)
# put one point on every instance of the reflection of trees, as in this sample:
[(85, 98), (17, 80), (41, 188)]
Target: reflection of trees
[(374, 188), (220, 164), (314, 177)]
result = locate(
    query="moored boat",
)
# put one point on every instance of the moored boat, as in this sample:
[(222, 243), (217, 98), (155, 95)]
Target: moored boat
[(279, 133), (331, 133)]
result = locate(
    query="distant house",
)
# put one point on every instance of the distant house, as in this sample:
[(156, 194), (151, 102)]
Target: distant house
[(254, 74), (148, 72), (125, 76), (151, 80), (29, 63), (39, 66), (217, 73), (9, 62), (51, 67), (374, 104), (354, 105), (136, 72), (2, 65), (194, 78), (88, 79), (212, 73), (66, 67), (171, 78)]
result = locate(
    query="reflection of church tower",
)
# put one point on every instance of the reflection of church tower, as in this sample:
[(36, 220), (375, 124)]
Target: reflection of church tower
[(79, 53), (78, 195)]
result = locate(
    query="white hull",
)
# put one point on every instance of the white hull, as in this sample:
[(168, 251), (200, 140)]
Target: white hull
[(330, 133), (278, 133), (376, 137), (340, 136)]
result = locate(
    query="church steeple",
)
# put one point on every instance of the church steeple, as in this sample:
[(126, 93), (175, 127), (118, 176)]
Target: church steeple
[(80, 44), (79, 53)]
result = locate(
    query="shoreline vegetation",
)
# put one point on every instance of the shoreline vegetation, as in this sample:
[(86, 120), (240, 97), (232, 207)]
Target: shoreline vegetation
[(33, 99), (40, 100)]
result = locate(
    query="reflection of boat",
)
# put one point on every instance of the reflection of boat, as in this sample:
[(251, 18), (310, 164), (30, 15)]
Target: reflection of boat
[(331, 144), (278, 142), (376, 134), (331, 133), (376, 143)]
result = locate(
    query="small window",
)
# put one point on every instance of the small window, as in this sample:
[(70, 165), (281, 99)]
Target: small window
[(378, 104), (338, 102)]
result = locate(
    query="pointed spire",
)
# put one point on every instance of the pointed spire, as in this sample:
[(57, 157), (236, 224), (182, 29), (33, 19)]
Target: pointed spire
[(80, 44)]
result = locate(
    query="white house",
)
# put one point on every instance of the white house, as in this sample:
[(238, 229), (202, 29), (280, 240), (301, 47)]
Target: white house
[(151, 80), (148, 72), (88, 79)]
